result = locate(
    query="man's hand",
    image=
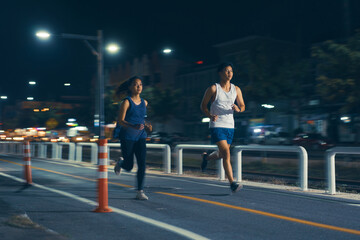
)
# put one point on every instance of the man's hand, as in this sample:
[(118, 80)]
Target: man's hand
[(213, 118), (235, 108)]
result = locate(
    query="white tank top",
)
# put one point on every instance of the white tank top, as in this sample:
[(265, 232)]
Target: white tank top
[(222, 107)]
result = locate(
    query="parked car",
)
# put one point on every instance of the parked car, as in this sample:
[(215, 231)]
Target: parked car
[(159, 137), (280, 138), (178, 137), (312, 141)]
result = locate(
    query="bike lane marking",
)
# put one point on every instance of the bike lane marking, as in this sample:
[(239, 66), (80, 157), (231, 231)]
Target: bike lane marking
[(291, 219), (156, 223)]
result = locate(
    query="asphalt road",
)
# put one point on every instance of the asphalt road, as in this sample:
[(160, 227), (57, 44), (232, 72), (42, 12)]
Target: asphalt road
[(64, 195)]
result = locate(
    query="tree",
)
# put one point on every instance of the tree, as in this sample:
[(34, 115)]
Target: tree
[(163, 103), (338, 66), (272, 73)]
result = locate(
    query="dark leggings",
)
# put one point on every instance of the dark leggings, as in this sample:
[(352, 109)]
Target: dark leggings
[(129, 148)]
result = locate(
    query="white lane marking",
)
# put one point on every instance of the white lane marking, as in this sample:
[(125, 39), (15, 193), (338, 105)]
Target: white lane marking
[(356, 205), (156, 223)]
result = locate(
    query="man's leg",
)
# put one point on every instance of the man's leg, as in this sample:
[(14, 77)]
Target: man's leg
[(224, 153), (213, 156)]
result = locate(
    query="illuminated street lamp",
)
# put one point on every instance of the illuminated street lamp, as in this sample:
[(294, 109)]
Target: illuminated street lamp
[(32, 83), (99, 117), (30, 98), (43, 35), (67, 84), (112, 48), (167, 51)]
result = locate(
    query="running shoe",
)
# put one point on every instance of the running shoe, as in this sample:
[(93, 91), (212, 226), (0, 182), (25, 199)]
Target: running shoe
[(204, 162), (117, 168), (234, 186), (141, 195)]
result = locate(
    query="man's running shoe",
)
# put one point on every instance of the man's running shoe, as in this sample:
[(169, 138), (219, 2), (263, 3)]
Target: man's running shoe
[(234, 186), (141, 195), (204, 162), (117, 168)]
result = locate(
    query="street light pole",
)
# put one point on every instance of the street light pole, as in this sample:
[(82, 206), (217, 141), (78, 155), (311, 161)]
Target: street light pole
[(99, 119), (1, 118), (101, 96)]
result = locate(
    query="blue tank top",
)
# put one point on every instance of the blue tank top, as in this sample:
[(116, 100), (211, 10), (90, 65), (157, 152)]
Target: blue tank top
[(134, 115)]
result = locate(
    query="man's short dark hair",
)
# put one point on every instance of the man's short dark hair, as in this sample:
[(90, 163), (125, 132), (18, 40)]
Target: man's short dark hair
[(224, 65)]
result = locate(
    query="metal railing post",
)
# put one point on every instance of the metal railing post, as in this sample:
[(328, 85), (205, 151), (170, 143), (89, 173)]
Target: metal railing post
[(330, 161), (302, 155), (179, 155), (331, 173), (78, 153), (94, 152), (220, 169), (238, 165), (179, 160)]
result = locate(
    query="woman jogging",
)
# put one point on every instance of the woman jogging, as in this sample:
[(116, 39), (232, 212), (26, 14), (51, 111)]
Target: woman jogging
[(225, 98), (132, 134)]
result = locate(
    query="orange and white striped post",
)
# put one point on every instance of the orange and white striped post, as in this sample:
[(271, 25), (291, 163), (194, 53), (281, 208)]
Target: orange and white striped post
[(103, 178), (27, 162)]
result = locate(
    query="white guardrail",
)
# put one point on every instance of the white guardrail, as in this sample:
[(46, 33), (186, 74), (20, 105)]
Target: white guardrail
[(179, 157), (75, 153), (39, 149), (330, 161), (303, 156), (165, 148), (94, 152), (238, 159)]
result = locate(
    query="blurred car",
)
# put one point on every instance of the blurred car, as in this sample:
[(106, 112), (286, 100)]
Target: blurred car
[(312, 141), (80, 138), (178, 137), (280, 138), (257, 138), (159, 137)]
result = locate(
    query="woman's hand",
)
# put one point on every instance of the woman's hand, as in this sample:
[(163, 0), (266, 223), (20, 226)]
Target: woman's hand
[(139, 126), (236, 108)]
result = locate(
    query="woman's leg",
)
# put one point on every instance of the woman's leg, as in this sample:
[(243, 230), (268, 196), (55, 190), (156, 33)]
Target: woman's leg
[(224, 153), (140, 153), (127, 149)]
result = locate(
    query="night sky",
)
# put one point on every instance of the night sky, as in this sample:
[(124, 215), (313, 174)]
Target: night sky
[(191, 28)]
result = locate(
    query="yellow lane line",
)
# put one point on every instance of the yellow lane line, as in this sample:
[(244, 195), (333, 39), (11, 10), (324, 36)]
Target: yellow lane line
[(12, 162), (66, 174), (320, 225)]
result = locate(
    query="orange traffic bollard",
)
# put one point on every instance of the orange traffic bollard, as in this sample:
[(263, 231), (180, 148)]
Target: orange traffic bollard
[(27, 162), (103, 178)]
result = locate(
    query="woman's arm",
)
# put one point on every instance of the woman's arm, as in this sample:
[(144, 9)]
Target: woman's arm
[(209, 93)]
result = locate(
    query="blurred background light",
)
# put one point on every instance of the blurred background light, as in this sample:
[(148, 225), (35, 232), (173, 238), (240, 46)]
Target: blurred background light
[(167, 50), (43, 35)]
